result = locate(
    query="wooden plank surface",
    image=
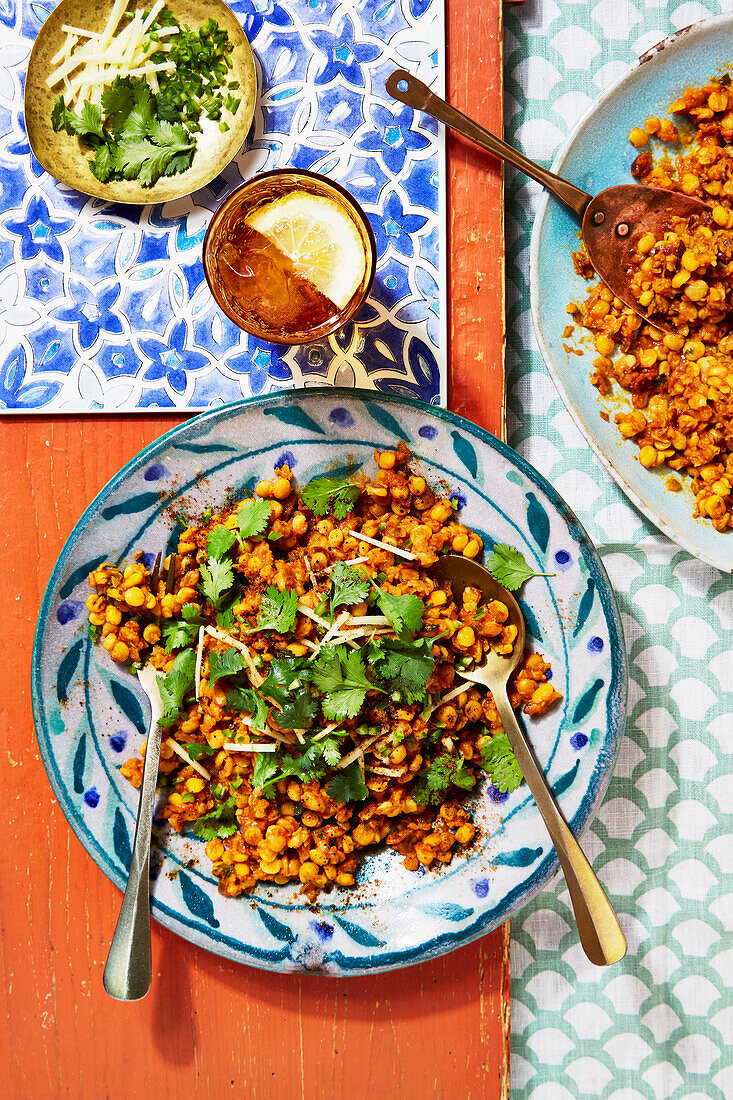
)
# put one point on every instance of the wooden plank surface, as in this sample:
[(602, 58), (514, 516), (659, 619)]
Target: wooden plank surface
[(211, 1028)]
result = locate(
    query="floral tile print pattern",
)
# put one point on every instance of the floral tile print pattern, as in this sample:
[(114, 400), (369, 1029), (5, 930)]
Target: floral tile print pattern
[(105, 307), (656, 1026)]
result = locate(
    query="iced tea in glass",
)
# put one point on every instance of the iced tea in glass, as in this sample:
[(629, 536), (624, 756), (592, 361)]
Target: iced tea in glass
[(289, 256)]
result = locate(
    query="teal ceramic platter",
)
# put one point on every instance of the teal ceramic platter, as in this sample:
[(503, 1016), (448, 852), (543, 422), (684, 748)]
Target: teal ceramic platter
[(597, 155), (90, 714)]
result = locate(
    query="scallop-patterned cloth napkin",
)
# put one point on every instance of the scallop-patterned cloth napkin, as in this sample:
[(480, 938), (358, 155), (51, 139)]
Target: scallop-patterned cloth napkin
[(658, 1025)]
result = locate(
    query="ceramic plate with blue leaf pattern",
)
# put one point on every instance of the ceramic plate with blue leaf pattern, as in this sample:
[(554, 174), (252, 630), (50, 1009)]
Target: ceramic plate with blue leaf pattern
[(90, 714), (598, 154)]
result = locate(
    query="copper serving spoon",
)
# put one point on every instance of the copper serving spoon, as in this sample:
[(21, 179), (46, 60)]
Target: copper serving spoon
[(611, 223), (600, 933)]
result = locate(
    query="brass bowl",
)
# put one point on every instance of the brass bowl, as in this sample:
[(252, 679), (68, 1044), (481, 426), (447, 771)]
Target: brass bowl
[(64, 157)]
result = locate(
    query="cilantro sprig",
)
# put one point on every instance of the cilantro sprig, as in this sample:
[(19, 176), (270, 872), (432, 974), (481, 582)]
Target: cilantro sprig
[(228, 663), (246, 699), (510, 568), (348, 785), (405, 666), (501, 763), (217, 578), (435, 781), (219, 542), (221, 822), (253, 517), (340, 675), (277, 610), (174, 686), (181, 633), (348, 586), (405, 613), (286, 683), (337, 494)]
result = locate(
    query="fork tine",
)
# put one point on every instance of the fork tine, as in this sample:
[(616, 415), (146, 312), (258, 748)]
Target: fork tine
[(171, 578), (155, 575)]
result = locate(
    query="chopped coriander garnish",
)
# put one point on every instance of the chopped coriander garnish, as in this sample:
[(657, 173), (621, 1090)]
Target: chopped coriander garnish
[(501, 763), (324, 493), (277, 610), (339, 673), (509, 567), (216, 579), (253, 517)]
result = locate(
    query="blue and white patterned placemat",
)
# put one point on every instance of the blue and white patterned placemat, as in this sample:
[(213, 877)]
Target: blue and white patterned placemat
[(105, 307)]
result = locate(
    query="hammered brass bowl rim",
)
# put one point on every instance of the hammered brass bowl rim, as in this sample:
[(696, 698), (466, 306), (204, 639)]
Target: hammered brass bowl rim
[(63, 157)]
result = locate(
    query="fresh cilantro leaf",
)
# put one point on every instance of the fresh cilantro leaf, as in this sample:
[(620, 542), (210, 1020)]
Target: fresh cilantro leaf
[(340, 675), (180, 162), (286, 685), (228, 663), (267, 766), (330, 492), (103, 164), (164, 108), (508, 566), (248, 700), (404, 612), (165, 133), (348, 785), (501, 763), (221, 822), (407, 666), (58, 114), (179, 635), (140, 114), (348, 586), (191, 613), (91, 116), (94, 631), (175, 684), (220, 541), (197, 749), (216, 579), (117, 102), (277, 610), (444, 772), (331, 751), (253, 517)]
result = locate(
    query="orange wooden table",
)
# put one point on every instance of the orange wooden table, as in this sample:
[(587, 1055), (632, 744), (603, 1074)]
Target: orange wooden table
[(211, 1028)]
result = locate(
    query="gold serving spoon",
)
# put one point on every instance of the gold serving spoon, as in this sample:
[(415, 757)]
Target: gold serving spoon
[(600, 933), (611, 223)]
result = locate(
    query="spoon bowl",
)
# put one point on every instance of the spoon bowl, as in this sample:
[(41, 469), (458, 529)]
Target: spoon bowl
[(612, 222), (600, 933)]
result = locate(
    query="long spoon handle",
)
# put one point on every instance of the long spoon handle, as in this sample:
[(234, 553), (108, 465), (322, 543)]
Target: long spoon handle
[(411, 91), (600, 933), (129, 969)]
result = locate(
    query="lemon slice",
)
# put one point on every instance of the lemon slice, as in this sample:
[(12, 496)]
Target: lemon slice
[(320, 240)]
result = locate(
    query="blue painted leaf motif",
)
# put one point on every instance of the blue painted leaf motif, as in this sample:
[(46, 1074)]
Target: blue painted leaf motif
[(465, 452), (80, 759), (121, 840), (132, 506), (67, 668), (129, 706), (423, 365), (533, 627), (359, 935), (521, 857), (206, 448), (78, 576), (293, 415), (586, 701), (447, 910), (584, 609), (566, 780), (538, 521), (275, 927), (386, 420), (196, 901)]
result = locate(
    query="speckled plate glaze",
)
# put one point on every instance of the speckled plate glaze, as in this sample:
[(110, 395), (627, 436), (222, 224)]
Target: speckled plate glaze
[(89, 713), (596, 155)]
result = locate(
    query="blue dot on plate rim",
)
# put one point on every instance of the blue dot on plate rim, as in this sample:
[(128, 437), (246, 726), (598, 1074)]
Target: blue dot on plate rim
[(322, 929), (118, 740), (480, 887), (147, 559), (91, 797), (563, 560), (341, 417), (155, 472), (287, 458), (579, 741), (69, 610), (496, 795), (427, 431), (595, 644)]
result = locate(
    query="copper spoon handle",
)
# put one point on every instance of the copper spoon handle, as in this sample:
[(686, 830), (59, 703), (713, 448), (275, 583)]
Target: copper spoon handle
[(411, 91), (600, 933)]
